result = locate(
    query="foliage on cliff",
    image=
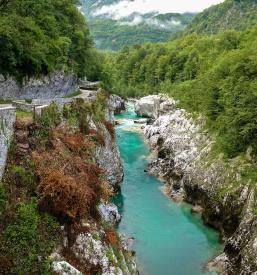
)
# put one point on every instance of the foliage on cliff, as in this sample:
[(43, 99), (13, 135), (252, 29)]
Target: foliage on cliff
[(212, 75), (70, 181), (37, 37), (53, 180)]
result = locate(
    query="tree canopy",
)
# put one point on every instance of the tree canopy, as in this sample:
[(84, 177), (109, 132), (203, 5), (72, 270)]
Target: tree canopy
[(37, 37), (211, 75)]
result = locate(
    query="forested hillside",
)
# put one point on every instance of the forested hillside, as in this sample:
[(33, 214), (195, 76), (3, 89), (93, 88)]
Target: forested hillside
[(211, 75), (112, 32), (232, 14), (37, 37)]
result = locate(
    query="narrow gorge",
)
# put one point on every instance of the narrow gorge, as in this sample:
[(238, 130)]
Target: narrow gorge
[(184, 162), (167, 236), (128, 137)]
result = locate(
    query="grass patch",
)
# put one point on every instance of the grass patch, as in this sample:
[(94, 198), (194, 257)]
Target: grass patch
[(29, 101), (76, 93), (5, 101), (25, 178), (23, 114)]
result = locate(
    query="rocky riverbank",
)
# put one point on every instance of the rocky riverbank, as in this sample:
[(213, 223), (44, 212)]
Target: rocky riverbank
[(96, 247), (216, 186)]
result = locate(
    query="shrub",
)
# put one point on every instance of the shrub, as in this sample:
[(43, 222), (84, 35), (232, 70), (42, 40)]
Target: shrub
[(111, 238), (83, 123), (109, 126), (70, 183), (63, 196), (97, 136), (28, 241), (98, 108), (50, 118), (78, 113), (25, 178)]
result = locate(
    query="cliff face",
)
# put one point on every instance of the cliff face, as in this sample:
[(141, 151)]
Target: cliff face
[(95, 250), (58, 84), (108, 156), (214, 185)]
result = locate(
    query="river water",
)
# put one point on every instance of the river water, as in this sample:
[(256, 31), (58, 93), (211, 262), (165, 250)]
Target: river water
[(169, 240)]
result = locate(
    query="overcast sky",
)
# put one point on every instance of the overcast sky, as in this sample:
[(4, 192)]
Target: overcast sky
[(124, 8)]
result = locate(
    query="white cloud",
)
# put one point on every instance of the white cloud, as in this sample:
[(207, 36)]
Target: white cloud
[(125, 8), (152, 22)]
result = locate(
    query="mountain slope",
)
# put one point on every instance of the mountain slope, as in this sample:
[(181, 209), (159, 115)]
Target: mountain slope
[(112, 30), (232, 14)]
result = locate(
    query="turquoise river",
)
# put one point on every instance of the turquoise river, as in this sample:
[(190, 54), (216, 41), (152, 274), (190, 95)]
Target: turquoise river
[(169, 240)]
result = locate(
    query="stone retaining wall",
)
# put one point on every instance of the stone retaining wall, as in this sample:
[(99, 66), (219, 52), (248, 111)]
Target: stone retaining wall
[(25, 106), (58, 101), (7, 119)]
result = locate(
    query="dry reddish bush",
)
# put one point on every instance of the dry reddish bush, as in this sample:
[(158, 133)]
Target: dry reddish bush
[(107, 192), (111, 238), (110, 127), (5, 264), (63, 196), (70, 183), (97, 135)]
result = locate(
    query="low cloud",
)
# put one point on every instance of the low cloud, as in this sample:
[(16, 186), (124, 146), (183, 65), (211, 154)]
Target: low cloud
[(167, 24)]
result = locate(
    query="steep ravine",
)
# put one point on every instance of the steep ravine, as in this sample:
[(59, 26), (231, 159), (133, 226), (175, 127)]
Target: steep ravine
[(62, 169), (217, 187)]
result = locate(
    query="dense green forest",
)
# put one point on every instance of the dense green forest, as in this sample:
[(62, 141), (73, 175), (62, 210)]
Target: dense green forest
[(211, 75), (112, 33), (37, 37), (232, 14)]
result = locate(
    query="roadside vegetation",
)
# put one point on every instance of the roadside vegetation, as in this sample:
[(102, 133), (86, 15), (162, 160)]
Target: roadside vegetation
[(38, 37)]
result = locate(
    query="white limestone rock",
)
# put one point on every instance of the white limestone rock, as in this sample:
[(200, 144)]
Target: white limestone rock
[(108, 157), (154, 105), (109, 212), (146, 106), (117, 104), (94, 252), (64, 268), (220, 264)]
